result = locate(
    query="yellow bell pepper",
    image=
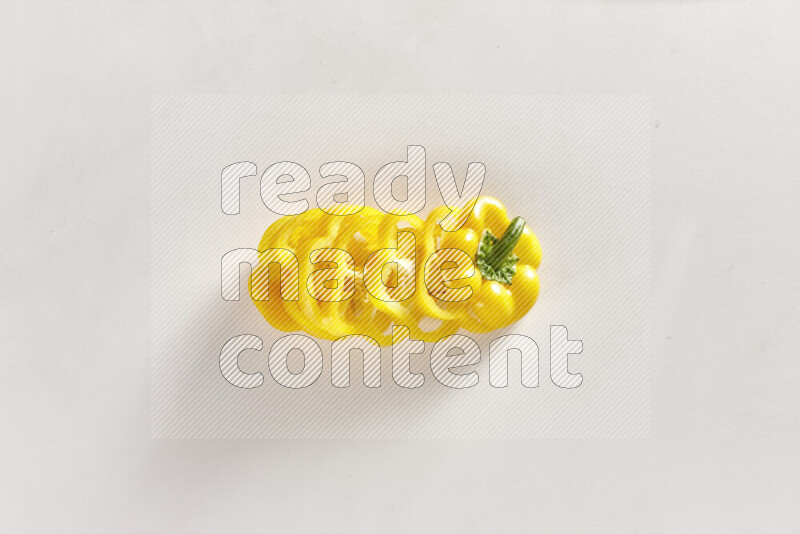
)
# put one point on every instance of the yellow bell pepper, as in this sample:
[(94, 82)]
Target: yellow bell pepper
[(493, 284), (508, 285)]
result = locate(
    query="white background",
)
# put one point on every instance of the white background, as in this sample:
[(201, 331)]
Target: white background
[(76, 80)]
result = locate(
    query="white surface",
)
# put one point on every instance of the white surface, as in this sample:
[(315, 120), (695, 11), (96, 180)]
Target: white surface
[(76, 84)]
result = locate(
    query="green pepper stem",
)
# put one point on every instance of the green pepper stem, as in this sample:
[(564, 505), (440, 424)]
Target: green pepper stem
[(505, 245)]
